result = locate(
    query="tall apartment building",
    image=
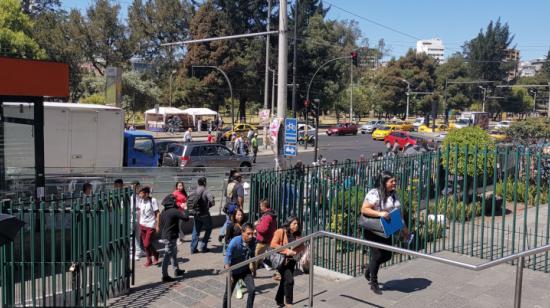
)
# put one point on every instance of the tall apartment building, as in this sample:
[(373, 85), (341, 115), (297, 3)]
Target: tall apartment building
[(512, 54), (432, 47)]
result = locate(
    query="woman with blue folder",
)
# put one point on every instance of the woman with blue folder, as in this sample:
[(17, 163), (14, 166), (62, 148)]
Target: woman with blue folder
[(378, 203)]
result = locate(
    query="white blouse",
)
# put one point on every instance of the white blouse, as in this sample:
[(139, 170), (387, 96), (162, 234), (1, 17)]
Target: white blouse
[(373, 197)]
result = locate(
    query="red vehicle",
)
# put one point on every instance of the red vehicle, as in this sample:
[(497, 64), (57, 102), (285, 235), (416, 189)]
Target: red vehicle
[(342, 129), (401, 138)]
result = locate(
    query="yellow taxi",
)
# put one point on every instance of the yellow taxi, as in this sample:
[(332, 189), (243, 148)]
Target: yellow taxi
[(438, 128), (381, 132), (241, 128), (406, 126), (498, 135)]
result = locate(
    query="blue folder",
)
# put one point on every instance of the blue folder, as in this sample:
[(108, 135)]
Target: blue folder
[(394, 224)]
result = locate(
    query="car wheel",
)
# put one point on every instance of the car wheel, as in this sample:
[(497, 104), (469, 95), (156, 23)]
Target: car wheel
[(362, 132), (354, 133), (245, 167)]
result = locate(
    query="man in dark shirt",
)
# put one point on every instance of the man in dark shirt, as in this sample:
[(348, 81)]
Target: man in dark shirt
[(202, 219), (169, 230)]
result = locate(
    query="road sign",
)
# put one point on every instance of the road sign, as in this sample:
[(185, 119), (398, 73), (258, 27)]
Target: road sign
[(291, 131), (291, 150)]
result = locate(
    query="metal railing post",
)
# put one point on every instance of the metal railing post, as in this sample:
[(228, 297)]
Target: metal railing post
[(311, 266), (519, 282), (228, 287)]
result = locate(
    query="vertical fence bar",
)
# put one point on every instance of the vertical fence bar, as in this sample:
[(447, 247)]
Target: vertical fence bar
[(519, 282), (526, 204), (504, 197), (483, 199), (537, 203), (311, 269), (464, 198), (474, 202), (455, 196), (514, 215)]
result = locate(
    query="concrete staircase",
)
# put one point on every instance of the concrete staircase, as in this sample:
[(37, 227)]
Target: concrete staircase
[(423, 283)]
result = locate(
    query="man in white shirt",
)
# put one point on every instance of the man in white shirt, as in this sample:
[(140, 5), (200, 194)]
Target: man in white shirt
[(187, 136), (134, 200), (148, 223)]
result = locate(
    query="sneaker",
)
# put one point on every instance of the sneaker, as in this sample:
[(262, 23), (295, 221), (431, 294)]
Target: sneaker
[(179, 272), (168, 279), (194, 251), (375, 288), (136, 257), (267, 267), (157, 261), (239, 293)]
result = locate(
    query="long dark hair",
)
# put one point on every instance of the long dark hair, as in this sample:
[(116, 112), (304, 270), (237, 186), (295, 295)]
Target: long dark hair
[(286, 226), (234, 217), (383, 178), (184, 191)]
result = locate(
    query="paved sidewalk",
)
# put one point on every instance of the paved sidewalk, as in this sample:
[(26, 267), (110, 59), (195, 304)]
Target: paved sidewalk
[(201, 286)]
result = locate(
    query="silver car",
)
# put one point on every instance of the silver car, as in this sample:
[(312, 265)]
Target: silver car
[(198, 155), (371, 126)]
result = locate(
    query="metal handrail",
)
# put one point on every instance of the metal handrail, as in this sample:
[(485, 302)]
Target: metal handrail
[(309, 238)]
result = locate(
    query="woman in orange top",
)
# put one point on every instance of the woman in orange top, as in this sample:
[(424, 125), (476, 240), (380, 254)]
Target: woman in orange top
[(290, 232)]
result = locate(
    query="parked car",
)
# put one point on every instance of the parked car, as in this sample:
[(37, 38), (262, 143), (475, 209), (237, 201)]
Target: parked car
[(406, 126), (417, 122), (302, 129), (342, 129), (200, 155), (503, 124), (401, 138), (241, 128), (498, 135), (162, 147), (438, 128), (371, 126), (381, 132)]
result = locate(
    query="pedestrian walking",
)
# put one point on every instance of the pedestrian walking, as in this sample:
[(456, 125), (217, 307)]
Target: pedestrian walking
[(379, 202), (288, 233), (148, 222), (210, 137), (250, 134), (254, 144), (265, 228), (181, 201), (187, 135), (239, 145), (134, 219), (234, 229), (169, 221), (200, 201), (240, 249)]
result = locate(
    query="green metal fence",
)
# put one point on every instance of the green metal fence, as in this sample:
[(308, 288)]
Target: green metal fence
[(73, 251), (492, 204)]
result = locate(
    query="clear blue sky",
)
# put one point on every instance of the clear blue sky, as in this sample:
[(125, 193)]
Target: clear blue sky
[(453, 21)]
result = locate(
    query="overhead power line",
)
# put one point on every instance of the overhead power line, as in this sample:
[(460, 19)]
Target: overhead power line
[(373, 22)]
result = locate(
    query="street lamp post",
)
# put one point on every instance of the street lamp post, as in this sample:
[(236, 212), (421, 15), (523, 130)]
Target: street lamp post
[(171, 76), (484, 96), (408, 98), (230, 89), (317, 105)]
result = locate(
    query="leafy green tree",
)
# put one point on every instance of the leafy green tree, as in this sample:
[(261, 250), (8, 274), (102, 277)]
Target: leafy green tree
[(55, 33), (102, 35), (37, 7), (529, 132), (455, 70), (486, 52), (16, 32), (152, 23), (466, 140)]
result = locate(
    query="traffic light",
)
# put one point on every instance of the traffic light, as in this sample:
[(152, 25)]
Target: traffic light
[(306, 103), (354, 58)]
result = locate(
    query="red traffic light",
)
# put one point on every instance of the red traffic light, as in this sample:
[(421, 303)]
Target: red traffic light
[(306, 103)]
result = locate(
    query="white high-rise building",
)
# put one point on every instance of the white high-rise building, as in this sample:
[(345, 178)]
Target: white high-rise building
[(433, 47)]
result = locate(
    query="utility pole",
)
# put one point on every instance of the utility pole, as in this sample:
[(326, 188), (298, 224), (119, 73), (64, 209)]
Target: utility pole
[(266, 76), (351, 91), (266, 85), (408, 98), (548, 110), (282, 78), (294, 61), (273, 91)]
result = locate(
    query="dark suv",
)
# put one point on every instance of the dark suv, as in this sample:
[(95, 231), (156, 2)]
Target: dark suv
[(200, 155)]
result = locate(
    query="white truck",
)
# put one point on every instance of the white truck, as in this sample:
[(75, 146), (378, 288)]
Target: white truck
[(470, 118), (76, 136)]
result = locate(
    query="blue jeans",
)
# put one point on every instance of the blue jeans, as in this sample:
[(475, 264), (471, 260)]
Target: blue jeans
[(170, 253), (201, 223)]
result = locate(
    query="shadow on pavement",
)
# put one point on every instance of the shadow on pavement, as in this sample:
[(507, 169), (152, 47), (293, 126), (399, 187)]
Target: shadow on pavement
[(200, 273), (407, 285), (143, 295), (361, 301)]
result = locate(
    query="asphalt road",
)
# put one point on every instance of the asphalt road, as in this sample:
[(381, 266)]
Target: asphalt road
[(332, 147)]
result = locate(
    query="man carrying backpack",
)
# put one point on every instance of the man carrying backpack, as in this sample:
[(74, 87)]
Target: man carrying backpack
[(199, 202), (169, 230)]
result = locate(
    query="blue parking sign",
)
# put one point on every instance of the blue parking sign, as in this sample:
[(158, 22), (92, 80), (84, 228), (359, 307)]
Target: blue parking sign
[(290, 150), (291, 131)]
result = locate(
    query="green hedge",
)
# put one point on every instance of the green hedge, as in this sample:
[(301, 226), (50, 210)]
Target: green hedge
[(522, 188)]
